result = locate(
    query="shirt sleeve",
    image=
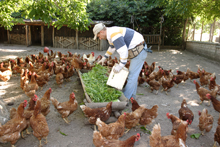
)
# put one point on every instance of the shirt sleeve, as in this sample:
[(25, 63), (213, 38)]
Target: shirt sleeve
[(110, 51), (120, 46)]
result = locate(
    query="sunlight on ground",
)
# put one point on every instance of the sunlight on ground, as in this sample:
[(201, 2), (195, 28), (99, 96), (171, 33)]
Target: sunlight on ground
[(2, 92), (4, 86), (9, 57), (14, 98), (175, 52), (193, 103), (12, 50)]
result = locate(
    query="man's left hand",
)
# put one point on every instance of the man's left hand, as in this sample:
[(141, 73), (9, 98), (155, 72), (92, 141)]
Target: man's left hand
[(117, 68)]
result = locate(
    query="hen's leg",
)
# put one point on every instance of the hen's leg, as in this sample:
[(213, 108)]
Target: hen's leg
[(209, 103), (45, 140), (65, 120), (157, 92), (214, 144), (40, 143), (127, 130), (28, 132), (202, 132), (200, 103), (22, 135)]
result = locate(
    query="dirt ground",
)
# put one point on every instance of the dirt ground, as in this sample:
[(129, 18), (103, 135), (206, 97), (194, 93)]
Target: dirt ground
[(81, 135)]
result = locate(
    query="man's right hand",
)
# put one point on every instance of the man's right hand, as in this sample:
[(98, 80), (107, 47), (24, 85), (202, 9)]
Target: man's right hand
[(102, 60)]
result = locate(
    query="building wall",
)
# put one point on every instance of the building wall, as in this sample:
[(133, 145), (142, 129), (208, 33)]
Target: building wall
[(206, 49)]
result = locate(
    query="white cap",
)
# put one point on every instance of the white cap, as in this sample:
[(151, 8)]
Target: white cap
[(97, 28)]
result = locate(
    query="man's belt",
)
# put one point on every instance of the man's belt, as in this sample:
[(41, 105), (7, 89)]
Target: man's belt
[(136, 51)]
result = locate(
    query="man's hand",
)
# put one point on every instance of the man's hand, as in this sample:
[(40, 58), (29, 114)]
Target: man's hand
[(117, 68), (102, 60)]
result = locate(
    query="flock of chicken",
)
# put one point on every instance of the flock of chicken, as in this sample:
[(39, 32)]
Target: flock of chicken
[(36, 71), (167, 80)]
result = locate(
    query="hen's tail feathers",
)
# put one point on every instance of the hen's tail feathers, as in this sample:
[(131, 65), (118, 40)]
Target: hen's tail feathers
[(155, 138), (54, 102), (181, 143), (83, 107)]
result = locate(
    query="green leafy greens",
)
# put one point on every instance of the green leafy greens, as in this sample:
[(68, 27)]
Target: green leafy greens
[(195, 136), (95, 85)]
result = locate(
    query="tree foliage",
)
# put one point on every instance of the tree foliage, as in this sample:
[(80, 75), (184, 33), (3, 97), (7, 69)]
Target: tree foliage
[(7, 7), (145, 14), (69, 12)]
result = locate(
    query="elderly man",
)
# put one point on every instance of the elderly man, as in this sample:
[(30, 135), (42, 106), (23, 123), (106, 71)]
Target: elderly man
[(130, 45)]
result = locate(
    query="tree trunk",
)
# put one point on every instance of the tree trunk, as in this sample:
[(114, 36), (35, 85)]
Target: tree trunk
[(188, 33), (201, 31), (184, 34), (210, 33), (194, 30), (213, 30), (164, 35), (219, 34)]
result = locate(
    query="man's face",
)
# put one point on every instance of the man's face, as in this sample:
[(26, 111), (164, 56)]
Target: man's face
[(102, 35)]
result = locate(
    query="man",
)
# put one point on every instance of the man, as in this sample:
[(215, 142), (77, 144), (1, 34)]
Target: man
[(130, 45)]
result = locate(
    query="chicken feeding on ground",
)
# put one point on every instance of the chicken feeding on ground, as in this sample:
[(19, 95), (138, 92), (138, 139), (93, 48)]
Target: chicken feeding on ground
[(66, 73), (148, 115), (113, 130), (192, 75), (77, 63), (93, 113), (141, 79), (202, 92), (185, 75), (71, 72), (178, 140), (31, 87), (217, 133), (59, 77), (205, 121), (179, 78), (66, 108), (156, 75), (100, 141), (154, 85), (175, 121), (61, 56), (167, 84), (39, 124), (215, 102), (29, 112), (132, 119), (91, 58), (204, 79), (45, 102), (185, 113), (42, 79), (213, 84), (6, 74), (10, 131), (24, 78)]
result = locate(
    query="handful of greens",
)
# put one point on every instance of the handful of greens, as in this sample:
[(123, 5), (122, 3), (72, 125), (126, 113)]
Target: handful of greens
[(95, 85)]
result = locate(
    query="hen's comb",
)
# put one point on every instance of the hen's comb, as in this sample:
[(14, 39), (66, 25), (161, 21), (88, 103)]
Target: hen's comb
[(168, 115)]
